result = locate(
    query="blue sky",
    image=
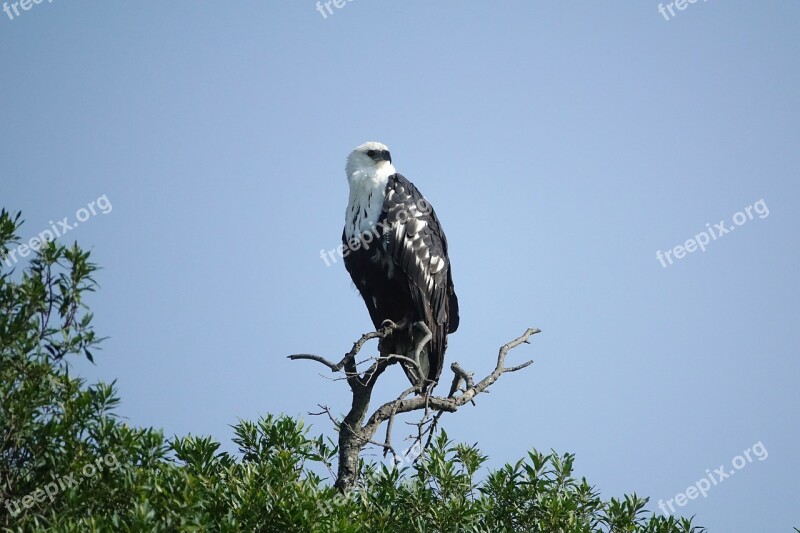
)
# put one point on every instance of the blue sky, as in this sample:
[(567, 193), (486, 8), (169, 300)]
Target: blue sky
[(562, 143)]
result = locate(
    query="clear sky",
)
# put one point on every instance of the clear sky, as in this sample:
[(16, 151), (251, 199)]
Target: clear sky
[(563, 144)]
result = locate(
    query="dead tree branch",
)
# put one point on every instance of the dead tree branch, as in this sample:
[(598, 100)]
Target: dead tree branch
[(355, 433)]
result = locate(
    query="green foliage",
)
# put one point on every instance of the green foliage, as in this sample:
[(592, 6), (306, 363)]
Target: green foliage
[(69, 464)]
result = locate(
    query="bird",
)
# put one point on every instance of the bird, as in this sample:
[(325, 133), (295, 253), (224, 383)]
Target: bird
[(395, 251)]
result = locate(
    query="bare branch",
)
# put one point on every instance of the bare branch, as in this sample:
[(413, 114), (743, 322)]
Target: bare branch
[(326, 411), (317, 358), (354, 433), (349, 356), (452, 403), (462, 374), (390, 422)]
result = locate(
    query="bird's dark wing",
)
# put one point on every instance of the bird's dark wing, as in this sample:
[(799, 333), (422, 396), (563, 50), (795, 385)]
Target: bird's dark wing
[(414, 239)]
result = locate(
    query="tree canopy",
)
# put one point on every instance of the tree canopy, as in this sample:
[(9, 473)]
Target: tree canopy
[(68, 462)]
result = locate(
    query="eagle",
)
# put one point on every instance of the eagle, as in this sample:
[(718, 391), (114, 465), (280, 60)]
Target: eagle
[(396, 254)]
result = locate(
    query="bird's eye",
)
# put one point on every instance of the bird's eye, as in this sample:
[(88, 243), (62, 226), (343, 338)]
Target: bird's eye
[(371, 153)]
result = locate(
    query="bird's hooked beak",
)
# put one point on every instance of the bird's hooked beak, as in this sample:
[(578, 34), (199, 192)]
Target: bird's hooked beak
[(382, 155)]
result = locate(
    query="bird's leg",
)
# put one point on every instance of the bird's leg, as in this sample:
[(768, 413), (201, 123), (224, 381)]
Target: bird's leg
[(423, 341), (420, 345)]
